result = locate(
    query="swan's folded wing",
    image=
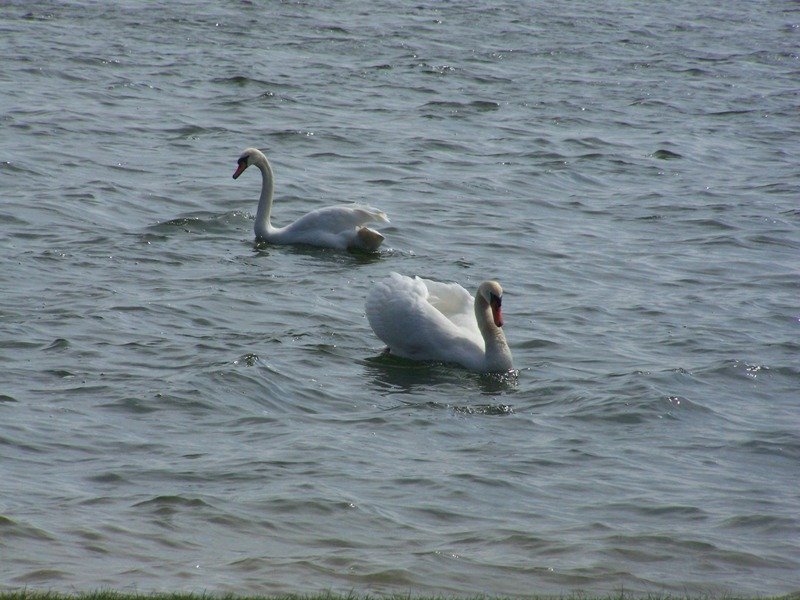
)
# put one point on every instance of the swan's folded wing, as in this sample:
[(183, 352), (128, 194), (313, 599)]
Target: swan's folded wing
[(392, 304), (336, 219), (400, 314), (368, 214), (457, 304)]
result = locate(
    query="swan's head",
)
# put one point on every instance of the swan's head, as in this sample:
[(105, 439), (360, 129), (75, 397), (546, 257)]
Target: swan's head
[(492, 293), (248, 157)]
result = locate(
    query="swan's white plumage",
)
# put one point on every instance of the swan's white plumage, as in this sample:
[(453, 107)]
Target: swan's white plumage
[(333, 226), (457, 304), (427, 320)]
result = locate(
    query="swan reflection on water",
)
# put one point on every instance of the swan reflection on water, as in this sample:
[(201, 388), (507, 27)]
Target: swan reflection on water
[(390, 375)]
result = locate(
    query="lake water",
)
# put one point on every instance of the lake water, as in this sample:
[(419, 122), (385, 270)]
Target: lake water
[(181, 410)]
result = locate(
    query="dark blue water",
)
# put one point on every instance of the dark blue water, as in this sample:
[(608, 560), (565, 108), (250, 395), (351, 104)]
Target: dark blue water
[(180, 410)]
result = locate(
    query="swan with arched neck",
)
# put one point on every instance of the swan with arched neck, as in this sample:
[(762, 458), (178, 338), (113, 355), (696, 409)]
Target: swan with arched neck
[(331, 227)]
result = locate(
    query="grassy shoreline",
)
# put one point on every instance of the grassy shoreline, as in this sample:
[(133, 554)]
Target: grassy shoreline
[(28, 594)]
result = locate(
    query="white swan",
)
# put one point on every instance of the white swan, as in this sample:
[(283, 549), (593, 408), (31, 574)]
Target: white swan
[(427, 320), (332, 227)]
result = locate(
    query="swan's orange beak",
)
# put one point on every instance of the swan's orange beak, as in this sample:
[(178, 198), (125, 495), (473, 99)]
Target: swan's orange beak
[(497, 314), (240, 169)]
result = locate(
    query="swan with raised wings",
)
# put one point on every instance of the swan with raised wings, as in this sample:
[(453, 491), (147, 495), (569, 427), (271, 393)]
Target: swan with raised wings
[(331, 227), (427, 320)]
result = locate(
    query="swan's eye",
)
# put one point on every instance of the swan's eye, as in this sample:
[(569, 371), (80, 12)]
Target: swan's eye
[(242, 161), (495, 299)]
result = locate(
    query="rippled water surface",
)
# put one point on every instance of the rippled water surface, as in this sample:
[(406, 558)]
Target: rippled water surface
[(182, 410)]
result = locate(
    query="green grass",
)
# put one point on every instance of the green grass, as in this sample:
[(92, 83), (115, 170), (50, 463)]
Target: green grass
[(26, 594)]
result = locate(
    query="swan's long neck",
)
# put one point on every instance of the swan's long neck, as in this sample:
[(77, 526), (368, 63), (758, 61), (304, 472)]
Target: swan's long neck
[(263, 226), (498, 355)]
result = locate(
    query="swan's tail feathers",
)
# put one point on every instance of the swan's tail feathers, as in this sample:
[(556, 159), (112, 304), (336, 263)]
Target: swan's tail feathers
[(368, 239)]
